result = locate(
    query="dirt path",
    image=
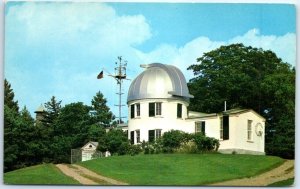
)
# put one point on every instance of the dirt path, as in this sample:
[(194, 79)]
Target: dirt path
[(283, 172), (85, 176)]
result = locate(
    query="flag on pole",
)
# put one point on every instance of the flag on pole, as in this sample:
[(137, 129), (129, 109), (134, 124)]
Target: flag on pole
[(100, 75)]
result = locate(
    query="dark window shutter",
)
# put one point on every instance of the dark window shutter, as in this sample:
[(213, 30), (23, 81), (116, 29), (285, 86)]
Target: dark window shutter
[(179, 110), (225, 127), (151, 109), (132, 111), (203, 127), (132, 137), (151, 134)]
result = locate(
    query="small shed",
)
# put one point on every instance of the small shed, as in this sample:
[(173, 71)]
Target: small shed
[(88, 150)]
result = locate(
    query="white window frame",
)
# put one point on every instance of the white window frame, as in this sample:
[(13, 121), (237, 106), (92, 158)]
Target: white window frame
[(157, 133), (158, 108), (138, 109), (138, 136), (198, 126)]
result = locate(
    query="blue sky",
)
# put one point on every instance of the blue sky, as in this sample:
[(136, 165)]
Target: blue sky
[(59, 48)]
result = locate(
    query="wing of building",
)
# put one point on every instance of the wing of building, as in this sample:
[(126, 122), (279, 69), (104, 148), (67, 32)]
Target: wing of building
[(158, 99)]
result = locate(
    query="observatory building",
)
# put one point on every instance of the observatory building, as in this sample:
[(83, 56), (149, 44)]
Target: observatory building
[(158, 100)]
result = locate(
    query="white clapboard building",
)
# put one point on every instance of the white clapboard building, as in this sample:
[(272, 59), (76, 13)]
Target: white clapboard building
[(158, 100), (88, 150)]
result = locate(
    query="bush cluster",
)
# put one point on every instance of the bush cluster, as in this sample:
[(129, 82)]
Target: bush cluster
[(173, 141), (176, 141)]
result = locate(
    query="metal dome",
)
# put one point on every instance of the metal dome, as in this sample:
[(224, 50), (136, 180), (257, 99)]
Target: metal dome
[(159, 81)]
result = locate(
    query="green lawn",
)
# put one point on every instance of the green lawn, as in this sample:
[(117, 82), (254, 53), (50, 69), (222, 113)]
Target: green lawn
[(288, 182), (39, 174), (181, 169)]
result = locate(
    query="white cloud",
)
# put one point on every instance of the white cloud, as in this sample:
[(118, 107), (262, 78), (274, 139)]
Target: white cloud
[(59, 48), (284, 46), (182, 57)]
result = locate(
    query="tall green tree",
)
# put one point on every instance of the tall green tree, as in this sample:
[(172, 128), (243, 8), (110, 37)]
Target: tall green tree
[(26, 117), (115, 141), (11, 122), (248, 77), (70, 130), (101, 112), (9, 95), (53, 108)]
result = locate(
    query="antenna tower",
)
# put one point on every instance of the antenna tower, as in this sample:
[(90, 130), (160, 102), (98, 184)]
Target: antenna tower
[(120, 75)]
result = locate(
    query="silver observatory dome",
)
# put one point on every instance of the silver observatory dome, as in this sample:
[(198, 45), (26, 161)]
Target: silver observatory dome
[(159, 81)]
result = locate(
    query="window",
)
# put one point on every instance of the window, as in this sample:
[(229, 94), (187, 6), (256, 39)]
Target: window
[(158, 108), (200, 127), (137, 132), (179, 110), (224, 127), (151, 135), (154, 134), (154, 109), (151, 109), (138, 110), (249, 130), (132, 137), (157, 133), (132, 111)]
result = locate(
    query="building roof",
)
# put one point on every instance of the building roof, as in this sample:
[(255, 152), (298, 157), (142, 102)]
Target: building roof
[(197, 115), (159, 81), (91, 142), (240, 111), (40, 109)]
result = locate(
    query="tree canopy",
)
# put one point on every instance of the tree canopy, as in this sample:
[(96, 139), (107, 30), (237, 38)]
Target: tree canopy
[(101, 112), (248, 77), (28, 142), (53, 108)]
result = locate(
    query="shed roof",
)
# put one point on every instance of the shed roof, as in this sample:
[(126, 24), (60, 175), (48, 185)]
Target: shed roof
[(91, 142)]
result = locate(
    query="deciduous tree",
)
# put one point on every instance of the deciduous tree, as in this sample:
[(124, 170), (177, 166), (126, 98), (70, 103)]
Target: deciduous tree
[(248, 77)]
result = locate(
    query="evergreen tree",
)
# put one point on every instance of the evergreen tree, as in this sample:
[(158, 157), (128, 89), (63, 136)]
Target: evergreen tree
[(9, 97), (53, 108), (100, 111), (70, 130), (26, 117)]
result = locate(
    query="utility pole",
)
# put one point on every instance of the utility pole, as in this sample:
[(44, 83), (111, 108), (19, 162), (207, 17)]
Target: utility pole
[(120, 75)]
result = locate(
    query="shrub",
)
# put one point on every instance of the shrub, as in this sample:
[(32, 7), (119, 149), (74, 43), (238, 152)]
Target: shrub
[(173, 139), (181, 142), (124, 148), (188, 147), (135, 149), (205, 144)]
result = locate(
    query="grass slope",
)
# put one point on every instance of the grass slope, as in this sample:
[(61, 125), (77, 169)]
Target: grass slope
[(39, 174), (181, 169), (287, 182)]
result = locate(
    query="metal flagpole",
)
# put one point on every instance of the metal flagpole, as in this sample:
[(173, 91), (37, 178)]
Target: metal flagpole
[(120, 75)]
